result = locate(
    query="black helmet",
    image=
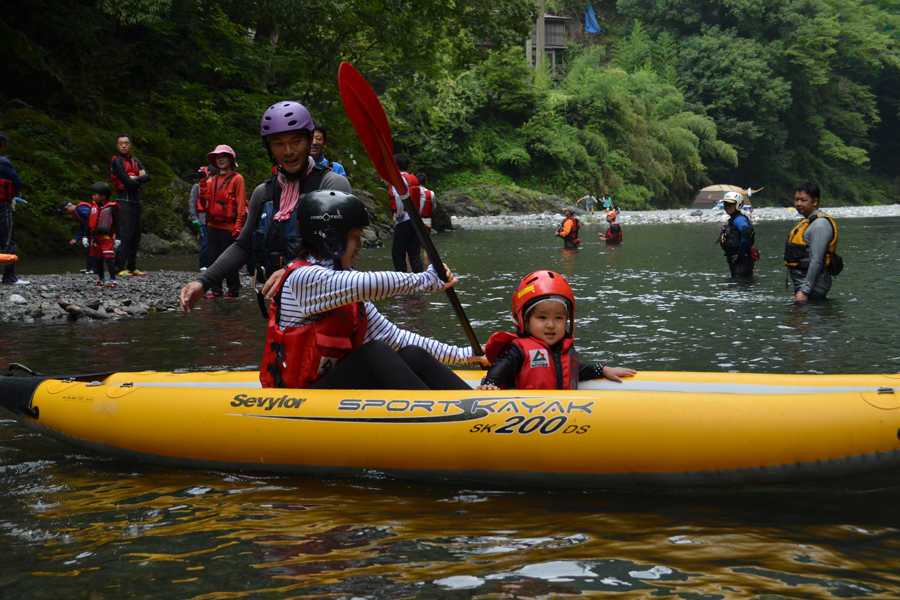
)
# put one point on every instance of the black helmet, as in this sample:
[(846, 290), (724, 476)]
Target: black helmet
[(326, 217)]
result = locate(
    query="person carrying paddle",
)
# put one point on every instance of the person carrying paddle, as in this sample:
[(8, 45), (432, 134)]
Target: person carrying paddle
[(541, 354), (270, 232), (324, 331)]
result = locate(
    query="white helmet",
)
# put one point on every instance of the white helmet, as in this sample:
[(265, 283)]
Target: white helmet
[(735, 197)]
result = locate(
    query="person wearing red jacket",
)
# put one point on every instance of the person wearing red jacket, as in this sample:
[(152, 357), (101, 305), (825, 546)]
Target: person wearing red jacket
[(541, 354), (405, 245), (225, 203)]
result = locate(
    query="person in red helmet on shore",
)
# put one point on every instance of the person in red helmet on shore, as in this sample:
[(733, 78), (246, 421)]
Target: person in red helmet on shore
[(269, 234), (541, 354)]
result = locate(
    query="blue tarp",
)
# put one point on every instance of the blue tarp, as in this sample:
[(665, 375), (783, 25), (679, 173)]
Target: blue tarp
[(590, 20)]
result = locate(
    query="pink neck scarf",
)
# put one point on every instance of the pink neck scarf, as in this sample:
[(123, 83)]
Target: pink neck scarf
[(290, 192)]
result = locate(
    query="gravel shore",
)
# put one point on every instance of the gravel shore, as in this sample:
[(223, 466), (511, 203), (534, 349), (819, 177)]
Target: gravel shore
[(73, 296), (683, 215)]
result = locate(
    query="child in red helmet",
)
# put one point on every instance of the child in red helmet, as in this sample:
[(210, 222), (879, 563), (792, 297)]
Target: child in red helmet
[(540, 355)]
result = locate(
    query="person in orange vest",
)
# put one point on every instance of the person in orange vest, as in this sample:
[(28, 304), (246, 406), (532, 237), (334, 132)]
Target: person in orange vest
[(225, 203), (128, 175), (10, 188), (568, 231)]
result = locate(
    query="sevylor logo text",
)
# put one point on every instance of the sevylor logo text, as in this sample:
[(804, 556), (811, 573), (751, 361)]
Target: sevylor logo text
[(267, 403)]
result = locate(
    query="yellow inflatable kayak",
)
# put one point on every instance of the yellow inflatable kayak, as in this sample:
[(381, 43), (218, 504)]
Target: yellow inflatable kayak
[(657, 429)]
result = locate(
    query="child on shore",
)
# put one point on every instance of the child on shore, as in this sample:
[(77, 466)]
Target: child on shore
[(541, 354), (101, 241)]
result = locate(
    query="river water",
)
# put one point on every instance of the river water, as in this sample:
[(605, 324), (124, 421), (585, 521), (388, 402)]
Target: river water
[(76, 525)]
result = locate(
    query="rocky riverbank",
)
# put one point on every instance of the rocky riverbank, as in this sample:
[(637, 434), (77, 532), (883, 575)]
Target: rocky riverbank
[(553, 219), (73, 296)]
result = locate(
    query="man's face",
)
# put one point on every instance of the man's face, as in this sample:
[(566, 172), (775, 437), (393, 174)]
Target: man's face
[(805, 204), (317, 148), (730, 207), (124, 145), (290, 149)]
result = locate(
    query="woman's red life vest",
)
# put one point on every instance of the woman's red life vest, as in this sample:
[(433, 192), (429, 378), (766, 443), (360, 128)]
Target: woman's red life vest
[(540, 370), (298, 357), (7, 190), (221, 204), (617, 239), (100, 221), (426, 203), (413, 188), (131, 167)]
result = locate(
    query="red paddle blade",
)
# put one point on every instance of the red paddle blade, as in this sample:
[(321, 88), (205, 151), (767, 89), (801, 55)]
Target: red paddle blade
[(371, 124)]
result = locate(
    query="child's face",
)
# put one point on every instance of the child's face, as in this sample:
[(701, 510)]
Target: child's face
[(99, 199), (548, 322)]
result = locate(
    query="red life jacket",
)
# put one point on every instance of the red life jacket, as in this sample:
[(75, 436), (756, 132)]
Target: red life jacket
[(413, 187), (100, 221), (7, 190), (298, 357), (131, 167), (613, 240), (221, 205), (426, 203), (539, 371)]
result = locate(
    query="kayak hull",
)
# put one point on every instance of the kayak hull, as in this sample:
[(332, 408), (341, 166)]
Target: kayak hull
[(656, 430)]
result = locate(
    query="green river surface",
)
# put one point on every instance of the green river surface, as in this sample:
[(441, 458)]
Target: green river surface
[(78, 525)]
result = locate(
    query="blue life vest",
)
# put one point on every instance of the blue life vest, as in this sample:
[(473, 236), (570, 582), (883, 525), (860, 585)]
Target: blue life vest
[(274, 241)]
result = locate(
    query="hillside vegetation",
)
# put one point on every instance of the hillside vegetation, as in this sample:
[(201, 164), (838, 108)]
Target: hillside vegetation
[(674, 95)]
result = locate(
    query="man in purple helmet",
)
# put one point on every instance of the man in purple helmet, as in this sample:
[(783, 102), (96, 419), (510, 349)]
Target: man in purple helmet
[(270, 233)]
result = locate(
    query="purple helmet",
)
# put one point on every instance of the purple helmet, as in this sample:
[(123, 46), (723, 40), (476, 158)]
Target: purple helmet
[(285, 116)]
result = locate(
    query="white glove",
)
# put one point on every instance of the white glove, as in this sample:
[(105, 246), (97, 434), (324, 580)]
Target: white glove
[(84, 241), (118, 243)]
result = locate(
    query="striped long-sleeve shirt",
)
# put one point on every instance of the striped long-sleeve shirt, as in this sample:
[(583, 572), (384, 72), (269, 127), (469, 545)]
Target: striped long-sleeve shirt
[(311, 291)]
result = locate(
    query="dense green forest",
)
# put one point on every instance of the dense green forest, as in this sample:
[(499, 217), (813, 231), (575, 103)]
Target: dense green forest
[(672, 95)]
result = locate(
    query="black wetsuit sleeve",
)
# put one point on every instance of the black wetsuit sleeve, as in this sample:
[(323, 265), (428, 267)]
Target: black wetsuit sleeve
[(505, 367), (118, 169), (238, 253), (588, 371)]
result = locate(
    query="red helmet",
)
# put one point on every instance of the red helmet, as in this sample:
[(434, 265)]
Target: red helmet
[(537, 286)]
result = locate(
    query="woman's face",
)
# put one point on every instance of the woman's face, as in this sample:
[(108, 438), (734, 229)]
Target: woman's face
[(354, 245), (224, 162)]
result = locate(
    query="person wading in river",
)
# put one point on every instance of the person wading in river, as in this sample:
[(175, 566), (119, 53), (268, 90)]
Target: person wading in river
[(810, 253), (270, 235)]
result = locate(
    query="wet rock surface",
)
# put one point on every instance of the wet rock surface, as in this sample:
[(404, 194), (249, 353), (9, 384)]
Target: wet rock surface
[(74, 296)]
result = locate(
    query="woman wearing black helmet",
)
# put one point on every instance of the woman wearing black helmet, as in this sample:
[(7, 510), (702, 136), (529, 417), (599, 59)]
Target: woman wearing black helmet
[(324, 332), (268, 234)]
